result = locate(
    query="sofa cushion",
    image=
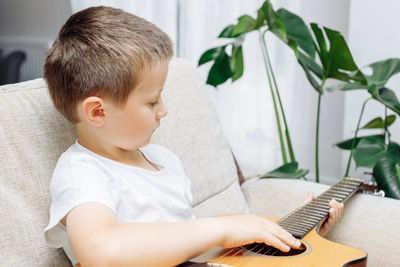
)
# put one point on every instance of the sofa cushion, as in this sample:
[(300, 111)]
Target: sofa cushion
[(33, 135)]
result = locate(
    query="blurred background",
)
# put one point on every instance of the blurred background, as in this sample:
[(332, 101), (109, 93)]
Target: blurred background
[(370, 27)]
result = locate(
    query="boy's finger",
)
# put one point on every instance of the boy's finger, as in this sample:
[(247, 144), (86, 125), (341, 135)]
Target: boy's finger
[(286, 237), (276, 242), (309, 198), (334, 208)]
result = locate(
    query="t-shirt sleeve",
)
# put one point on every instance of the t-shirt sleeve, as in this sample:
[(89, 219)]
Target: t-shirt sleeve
[(76, 182)]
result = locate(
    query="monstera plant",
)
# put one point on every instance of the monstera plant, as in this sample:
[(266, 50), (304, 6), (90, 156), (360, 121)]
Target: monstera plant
[(323, 54)]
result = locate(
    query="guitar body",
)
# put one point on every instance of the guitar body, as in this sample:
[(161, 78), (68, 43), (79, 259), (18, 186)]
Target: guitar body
[(316, 251)]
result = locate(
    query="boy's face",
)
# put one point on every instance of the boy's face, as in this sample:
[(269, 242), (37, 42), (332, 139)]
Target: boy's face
[(132, 126)]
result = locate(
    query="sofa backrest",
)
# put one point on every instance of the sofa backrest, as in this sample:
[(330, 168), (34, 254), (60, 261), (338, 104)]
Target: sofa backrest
[(33, 135)]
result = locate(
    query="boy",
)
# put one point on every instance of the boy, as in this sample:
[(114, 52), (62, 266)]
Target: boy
[(116, 199)]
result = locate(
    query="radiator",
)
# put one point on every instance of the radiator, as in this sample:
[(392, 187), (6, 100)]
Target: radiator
[(35, 50)]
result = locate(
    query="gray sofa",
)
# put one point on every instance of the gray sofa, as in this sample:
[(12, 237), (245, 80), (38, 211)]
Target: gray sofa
[(33, 135)]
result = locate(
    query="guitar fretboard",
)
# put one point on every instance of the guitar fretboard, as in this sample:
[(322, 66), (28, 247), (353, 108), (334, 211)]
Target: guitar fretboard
[(305, 218)]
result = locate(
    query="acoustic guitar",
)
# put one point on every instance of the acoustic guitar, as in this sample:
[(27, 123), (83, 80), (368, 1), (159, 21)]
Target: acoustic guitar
[(303, 223)]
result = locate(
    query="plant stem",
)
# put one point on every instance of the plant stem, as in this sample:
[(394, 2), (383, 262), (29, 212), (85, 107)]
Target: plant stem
[(321, 87), (353, 144), (317, 140), (288, 139), (265, 57), (386, 133)]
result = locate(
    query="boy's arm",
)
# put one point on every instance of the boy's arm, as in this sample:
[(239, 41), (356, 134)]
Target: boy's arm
[(98, 240)]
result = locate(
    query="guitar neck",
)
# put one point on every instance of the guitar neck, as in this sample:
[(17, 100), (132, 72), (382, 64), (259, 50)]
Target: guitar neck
[(305, 218)]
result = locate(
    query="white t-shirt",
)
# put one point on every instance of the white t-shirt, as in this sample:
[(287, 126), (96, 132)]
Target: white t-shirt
[(134, 194)]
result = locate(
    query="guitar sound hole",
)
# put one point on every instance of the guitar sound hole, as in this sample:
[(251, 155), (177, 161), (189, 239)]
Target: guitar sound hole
[(263, 249)]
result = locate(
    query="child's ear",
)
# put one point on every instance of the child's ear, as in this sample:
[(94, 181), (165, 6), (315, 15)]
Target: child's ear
[(93, 110)]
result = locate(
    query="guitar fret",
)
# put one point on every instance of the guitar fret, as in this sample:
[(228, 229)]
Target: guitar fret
[(327, 199), (323, 208), (320, 206), (347, 187), (343, 193), (335, 194), (295, 222), (295, 227), (302, 216), (306, 225), (298, 218), (351, 183), (308, 210)]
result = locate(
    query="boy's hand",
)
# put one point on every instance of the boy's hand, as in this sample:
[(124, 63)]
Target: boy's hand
[(335, 213), (244, 229)]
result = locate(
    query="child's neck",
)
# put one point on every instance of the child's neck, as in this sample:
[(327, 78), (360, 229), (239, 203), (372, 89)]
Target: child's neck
[(129, 157)]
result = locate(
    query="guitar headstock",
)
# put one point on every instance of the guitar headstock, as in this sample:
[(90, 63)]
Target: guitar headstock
[(371, 188)]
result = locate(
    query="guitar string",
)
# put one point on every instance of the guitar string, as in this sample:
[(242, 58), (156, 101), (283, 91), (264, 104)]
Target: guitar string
[(350, 184), (223, 255)]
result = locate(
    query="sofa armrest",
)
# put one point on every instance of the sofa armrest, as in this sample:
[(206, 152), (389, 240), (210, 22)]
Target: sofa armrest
[(369, 223)]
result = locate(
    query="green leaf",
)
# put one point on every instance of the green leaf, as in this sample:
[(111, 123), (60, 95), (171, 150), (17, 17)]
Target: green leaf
[(310, 67), (274, 22), (346, 144), (220, 71), (288, 170), (345, 86), (337, 61), (323, 48), (260, 20), (387, 175), (393, 151), (244, 25), (340, 58), (227, 32), (236, 62), (297, 30), (378, 123), (368, 152), (382, 71), (211, 54), (388, 98)]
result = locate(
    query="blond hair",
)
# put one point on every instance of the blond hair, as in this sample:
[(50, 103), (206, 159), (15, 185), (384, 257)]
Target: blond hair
[(101, 51)]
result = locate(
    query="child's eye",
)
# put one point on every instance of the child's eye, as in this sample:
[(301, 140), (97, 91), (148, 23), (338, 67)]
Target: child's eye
[(154, 103)]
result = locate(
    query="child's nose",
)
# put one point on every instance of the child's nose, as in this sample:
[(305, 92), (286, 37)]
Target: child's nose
[(162, 112)]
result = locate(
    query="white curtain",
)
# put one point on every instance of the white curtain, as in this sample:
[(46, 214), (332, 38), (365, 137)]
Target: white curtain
[(245, 107), (163, 13)]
